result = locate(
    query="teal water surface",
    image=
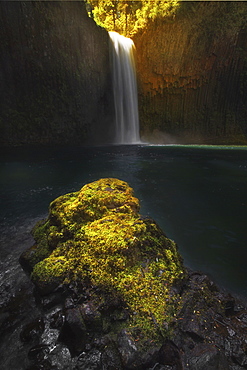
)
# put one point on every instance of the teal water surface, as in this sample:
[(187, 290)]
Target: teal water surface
[(197, 194)]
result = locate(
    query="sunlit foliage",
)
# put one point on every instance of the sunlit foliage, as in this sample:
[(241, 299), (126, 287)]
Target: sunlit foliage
[(126, 17)]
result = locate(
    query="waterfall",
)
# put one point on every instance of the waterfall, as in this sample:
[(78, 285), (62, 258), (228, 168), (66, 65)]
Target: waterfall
[(125, 90)]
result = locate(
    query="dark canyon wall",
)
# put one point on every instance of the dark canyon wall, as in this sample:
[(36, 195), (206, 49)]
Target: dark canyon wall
[(54, 72), (192, 72), (55, 83)]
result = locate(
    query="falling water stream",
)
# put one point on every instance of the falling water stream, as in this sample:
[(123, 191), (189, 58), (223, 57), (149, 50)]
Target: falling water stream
[(125, 90)]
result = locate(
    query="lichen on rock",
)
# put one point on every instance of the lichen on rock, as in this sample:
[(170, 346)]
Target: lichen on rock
[(96, 236)]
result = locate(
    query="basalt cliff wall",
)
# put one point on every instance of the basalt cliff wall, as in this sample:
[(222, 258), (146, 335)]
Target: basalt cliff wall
[(192, 74), (55, 75), (56, 81)]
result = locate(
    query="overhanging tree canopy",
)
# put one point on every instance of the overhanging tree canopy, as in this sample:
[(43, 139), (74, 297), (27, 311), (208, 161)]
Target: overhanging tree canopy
[(126, 17)]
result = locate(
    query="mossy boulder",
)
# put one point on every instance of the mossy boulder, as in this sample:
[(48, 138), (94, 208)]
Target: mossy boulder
[(96, 237), (114, 288)]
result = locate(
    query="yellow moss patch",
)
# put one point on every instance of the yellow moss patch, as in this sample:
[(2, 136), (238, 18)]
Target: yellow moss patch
[(97, 234)]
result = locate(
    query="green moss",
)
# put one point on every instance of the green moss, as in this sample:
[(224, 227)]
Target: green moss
[(40, 249), (52, 268), (35, 254), (40, 229), (97, 235)]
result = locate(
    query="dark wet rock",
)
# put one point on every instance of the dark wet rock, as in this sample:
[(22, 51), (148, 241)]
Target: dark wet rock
[(57, 320), (50, 300), (236, 349), (137, 353), (33, 330), (229, 305), (207, 357), (209, 329), (50, 289), (169, 354), (162, 367), (45, 365), (208, 333), (38, 352), (111, 357), (69, 303), (127, 349), (91, 316), (74, 332), (89, 361), (60, 357), (43, 357)]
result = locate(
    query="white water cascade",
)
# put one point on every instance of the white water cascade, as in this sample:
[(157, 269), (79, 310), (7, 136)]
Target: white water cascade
[(125, 90)]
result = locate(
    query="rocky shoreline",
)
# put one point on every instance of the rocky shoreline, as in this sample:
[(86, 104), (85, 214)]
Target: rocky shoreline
[(82, 324), (209, 332)]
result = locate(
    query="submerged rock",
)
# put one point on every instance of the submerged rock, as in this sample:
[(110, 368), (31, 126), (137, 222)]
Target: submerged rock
[(117, 293)]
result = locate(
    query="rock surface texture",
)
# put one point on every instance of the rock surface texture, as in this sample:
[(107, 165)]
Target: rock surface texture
[(56, 79), (192, 74), (114, 293), (55, 74)]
